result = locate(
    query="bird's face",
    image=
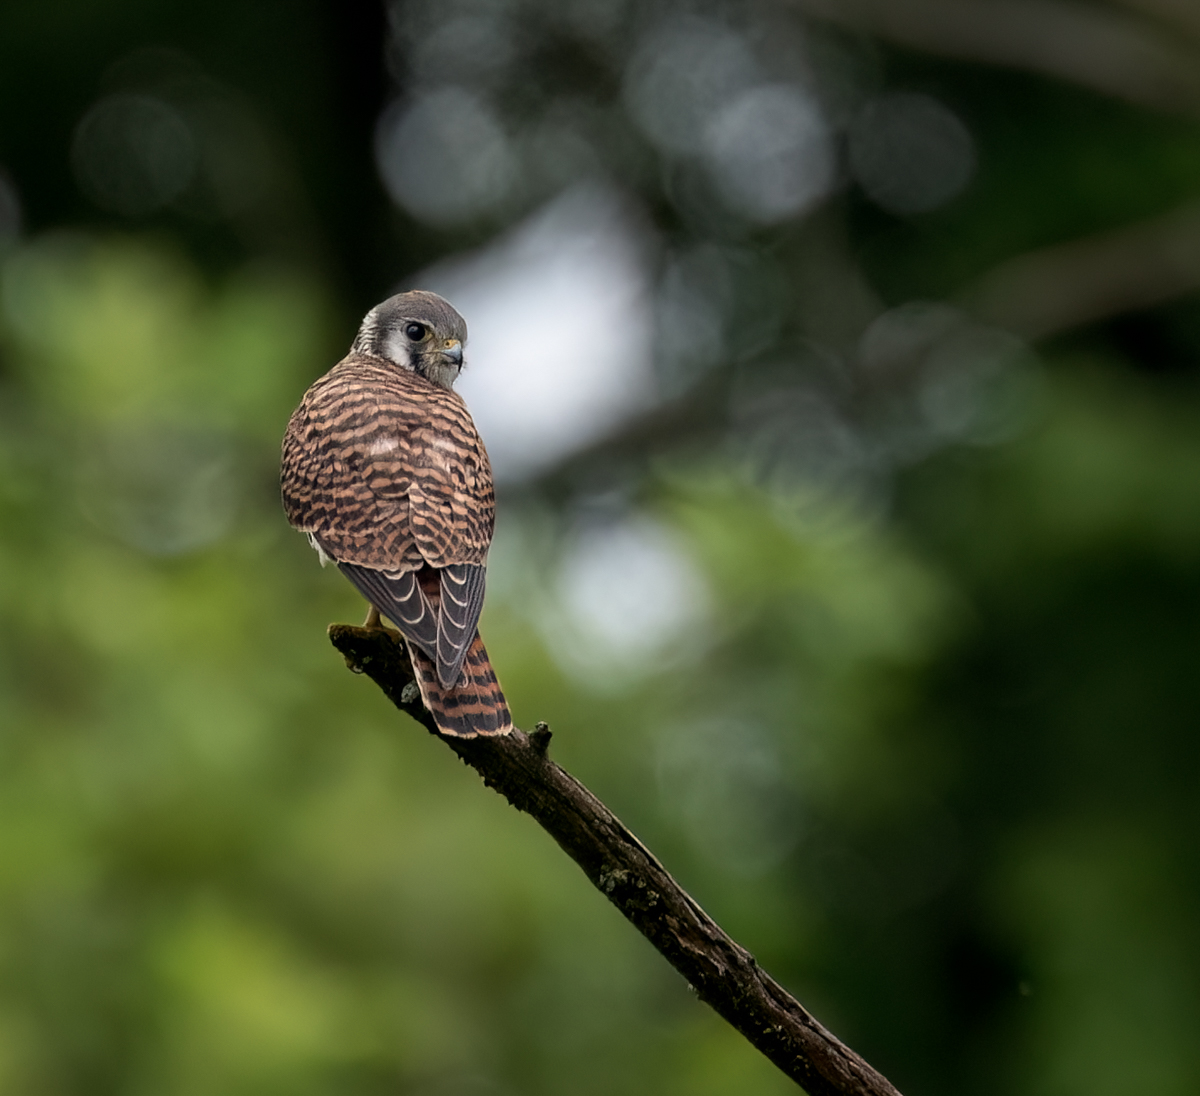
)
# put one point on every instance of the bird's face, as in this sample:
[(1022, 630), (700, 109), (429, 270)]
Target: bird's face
[(419, 331)]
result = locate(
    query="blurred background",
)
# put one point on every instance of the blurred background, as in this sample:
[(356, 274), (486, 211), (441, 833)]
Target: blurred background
[(839, 365)]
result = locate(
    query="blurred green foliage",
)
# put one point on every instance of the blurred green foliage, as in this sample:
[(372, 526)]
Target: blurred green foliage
[(928, 747), (228, 866)]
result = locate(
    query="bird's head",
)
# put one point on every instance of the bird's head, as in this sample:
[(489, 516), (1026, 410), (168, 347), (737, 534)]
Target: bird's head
[(417, 330)]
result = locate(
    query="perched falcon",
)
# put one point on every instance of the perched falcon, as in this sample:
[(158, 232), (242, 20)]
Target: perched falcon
[(385, 471)]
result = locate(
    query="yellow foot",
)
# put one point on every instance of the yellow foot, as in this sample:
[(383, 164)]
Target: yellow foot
[(373, 620)]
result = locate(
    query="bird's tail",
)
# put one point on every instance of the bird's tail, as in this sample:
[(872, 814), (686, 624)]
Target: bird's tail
[(475, 705)]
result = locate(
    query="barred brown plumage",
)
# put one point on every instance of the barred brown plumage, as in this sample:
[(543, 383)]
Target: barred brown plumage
[(384, 470)]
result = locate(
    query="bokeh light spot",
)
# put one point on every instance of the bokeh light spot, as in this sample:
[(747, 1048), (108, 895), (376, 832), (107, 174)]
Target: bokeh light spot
[(132, 154), (681, 75), (444, 157), (910, 153), (770, 152), (629, 593)]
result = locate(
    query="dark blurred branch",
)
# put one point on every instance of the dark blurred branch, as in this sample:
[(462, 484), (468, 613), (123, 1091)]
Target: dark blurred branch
[(1057, 288), (1181, 15), (1083, 44), (698, 416), (723, 974)]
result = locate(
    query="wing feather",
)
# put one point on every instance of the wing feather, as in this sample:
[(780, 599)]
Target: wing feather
[(398, 597), (459, 605)]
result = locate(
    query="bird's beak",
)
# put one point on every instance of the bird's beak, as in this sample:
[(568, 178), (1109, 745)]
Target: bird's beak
[(452, 351)]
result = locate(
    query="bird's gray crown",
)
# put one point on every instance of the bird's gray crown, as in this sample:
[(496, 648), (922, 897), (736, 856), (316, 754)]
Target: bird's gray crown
[(388, 332)]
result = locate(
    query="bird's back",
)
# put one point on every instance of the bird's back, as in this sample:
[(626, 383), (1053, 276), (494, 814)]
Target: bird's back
[(387, 470)]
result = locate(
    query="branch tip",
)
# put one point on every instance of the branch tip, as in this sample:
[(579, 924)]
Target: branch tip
[(539, 738)]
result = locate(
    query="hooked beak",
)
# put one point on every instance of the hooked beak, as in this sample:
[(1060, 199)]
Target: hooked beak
[(452, 351)]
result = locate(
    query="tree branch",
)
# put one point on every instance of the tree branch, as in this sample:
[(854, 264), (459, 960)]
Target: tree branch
[(1084, 44), (723, 974), (1054, 289)]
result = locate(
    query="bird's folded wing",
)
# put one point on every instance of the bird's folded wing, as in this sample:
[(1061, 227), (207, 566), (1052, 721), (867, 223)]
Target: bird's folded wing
[(399, 597), (459, 606)]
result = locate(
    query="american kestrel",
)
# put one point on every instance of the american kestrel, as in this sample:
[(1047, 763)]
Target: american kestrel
[(385, 471)]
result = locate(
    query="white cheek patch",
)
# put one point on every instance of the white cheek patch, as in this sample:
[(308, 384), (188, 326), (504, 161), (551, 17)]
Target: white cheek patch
[(396, 349)]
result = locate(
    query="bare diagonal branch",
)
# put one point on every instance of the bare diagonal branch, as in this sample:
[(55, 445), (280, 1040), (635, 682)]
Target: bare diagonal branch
[(723, 974)]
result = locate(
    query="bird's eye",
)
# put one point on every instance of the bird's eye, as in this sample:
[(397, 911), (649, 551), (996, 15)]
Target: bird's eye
[(416, 331)]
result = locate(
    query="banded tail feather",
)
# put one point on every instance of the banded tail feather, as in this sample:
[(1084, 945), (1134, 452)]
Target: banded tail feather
[(475, 706)]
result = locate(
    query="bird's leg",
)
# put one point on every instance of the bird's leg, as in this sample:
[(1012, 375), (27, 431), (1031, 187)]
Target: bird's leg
[(374, 624)]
